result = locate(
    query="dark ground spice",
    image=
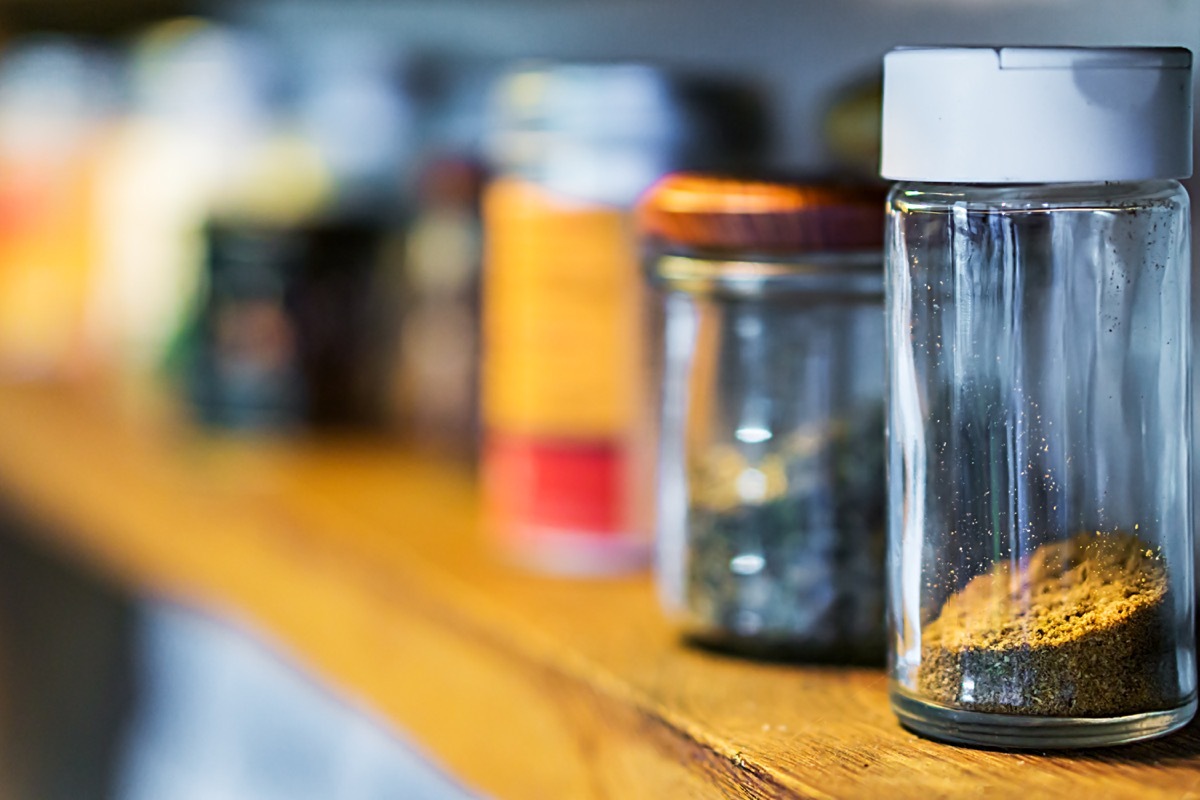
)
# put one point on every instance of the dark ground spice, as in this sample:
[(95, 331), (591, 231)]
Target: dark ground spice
[(813, 539), (1076, 629)]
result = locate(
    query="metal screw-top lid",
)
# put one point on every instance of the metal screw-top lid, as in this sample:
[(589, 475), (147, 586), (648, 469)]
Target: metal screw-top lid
[(708, 212), (756, 238)]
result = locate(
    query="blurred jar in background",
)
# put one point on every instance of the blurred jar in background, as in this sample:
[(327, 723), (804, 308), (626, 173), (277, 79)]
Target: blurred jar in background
[(199, 110), (564, 434), (244, 366), (56, 100), (432, 261), (297, 308), (434, 380), (771, 471), (283, 336)]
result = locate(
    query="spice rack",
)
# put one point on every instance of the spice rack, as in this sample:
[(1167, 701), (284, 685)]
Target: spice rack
[(365, 565)]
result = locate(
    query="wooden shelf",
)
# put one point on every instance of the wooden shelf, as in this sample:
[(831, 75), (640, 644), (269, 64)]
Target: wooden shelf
[(365, 563)]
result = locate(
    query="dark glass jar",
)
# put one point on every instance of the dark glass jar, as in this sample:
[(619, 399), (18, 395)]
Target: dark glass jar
[(289, 330)]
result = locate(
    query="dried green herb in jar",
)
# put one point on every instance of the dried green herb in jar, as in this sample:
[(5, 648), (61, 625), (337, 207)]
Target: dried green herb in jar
[(786, 554), (1074, 630)]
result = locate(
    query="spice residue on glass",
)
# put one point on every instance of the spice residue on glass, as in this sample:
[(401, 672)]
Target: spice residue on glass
[(1073, 630)]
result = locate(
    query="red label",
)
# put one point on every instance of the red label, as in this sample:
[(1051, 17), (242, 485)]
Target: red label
[(563, 486)]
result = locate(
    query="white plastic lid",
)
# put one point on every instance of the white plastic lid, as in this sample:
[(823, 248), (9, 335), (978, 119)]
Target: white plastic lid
[(1036, 114)]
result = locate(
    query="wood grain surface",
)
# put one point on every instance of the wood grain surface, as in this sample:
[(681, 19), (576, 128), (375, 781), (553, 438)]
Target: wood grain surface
[(367, 565)]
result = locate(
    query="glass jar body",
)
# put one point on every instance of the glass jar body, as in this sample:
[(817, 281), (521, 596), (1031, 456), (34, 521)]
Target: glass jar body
[(1039, 556), (770, 507)]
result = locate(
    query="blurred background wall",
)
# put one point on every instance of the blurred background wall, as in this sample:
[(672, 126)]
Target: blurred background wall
[(800, 52)]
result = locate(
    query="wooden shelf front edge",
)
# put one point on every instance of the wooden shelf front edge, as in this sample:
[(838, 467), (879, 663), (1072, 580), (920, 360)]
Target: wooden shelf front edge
[(366, 565)]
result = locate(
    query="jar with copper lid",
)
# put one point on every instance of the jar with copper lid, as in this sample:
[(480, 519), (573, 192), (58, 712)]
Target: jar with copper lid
[(770, 519)]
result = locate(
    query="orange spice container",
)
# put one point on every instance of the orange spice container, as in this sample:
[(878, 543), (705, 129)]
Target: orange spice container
[(563, 437)]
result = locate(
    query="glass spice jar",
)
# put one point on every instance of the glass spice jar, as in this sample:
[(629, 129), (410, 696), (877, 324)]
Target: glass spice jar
[(1040, 555), (770, 503)]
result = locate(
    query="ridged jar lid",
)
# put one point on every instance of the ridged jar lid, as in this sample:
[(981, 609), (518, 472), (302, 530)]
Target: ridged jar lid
[(711, 212), (1036, 114)]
